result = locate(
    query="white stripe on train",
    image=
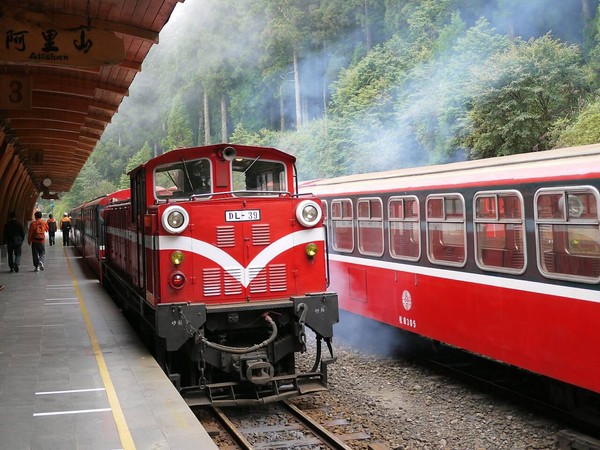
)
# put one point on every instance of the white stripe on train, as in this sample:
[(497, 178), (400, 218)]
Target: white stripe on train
[(244, 275), (590, 295)]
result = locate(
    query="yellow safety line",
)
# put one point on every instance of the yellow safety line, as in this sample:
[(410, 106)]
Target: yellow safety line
[(123, 429)]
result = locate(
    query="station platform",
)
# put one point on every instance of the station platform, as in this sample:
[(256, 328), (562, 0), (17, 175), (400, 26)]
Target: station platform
[(73, 373)]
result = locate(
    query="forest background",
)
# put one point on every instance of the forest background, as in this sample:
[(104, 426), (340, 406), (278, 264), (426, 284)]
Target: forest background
[(351, 86)]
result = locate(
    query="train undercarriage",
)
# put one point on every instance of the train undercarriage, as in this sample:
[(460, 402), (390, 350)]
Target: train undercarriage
[(237, 353)]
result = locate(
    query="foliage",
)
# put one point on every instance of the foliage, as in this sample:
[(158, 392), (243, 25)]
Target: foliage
[(436, 94), (585, 129), (380, 83), (139, 158), (179, 132), (89, 185), (520, 93), (262, 137)]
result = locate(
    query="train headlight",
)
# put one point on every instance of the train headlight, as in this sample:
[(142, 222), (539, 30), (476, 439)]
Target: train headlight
[(175, 219), (177, 257), (311, 250), (177, 280), (308, 213)]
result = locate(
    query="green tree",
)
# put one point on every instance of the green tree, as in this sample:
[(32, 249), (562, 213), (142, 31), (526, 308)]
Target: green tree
[(520, 93), (263, 137), (434, 96), (584, 129), (179, 132), (143, 155), (89, 184)]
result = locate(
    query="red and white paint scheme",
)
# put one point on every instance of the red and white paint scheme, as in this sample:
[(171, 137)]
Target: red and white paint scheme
[(87, 228), (500, 257), (225, 264)]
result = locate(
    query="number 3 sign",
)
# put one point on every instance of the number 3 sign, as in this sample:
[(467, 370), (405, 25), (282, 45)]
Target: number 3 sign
[(15, 92)]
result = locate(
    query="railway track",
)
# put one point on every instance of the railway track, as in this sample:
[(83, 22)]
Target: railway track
[(575, 408), (278, 426)]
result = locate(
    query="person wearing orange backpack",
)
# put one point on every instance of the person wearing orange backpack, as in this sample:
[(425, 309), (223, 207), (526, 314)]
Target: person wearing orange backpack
[(37, 239)]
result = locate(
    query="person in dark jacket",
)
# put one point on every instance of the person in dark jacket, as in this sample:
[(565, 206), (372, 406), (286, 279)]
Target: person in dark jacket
[(14, 235), (65, 227), (52, 227)]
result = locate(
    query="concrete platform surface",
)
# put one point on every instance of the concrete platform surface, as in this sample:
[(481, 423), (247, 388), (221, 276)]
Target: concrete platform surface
[(73, 374)]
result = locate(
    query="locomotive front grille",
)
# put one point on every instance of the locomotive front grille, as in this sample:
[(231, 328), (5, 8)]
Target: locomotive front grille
[(261, 234), (232, 286), (225, 236), (259, 283), (211, 282), (216, 281)]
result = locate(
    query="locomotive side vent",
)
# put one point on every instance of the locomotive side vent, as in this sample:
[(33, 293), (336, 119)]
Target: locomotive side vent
[(211, 282), (259, 283), (261, 234), (277, 277), (225, 236), (232, 286)]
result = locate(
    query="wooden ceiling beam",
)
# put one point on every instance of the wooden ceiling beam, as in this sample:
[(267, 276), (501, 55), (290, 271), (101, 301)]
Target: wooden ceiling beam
[(74, 85)]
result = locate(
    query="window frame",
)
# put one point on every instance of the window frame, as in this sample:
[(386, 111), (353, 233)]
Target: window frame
[(445, 220), (240, 193), (370, 219), (566, 220), (183, 197), (342, 218), (404, 220), (498, 220)]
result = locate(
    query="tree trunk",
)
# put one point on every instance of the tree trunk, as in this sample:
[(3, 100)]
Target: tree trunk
[(324, 82), (297, 92), (223, 119), (281, 112), (586, 10), (368, 35), (206, 120)]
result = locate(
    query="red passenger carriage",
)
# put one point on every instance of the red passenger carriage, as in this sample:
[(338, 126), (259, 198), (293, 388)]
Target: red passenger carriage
[(87, 222), (500, 257)]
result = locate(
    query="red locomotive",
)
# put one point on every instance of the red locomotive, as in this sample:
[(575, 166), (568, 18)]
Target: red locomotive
[(499, 257), (224, 265)]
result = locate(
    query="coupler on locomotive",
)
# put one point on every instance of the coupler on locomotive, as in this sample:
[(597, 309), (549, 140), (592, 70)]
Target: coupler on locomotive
[(246, 354)]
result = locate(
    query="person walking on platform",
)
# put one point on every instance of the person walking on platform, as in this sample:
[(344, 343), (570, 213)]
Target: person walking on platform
[(37, 239), (52, 227), (14, 235), (65, 227)]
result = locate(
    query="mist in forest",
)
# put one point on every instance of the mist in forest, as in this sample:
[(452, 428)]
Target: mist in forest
[(212, 46)]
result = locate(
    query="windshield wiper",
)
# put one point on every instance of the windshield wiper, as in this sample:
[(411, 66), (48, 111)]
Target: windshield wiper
[(250, 165), (187, 174)]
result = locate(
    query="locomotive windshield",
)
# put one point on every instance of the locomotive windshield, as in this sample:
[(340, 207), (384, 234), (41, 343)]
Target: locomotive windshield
[(182, 179), (253, 176)]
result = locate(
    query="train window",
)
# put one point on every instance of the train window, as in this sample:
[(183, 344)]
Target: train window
[(404, 229), (342, 230), (568, 233), (499, 231), (446, 231), (183, 179), (370, 226), (253, 176)]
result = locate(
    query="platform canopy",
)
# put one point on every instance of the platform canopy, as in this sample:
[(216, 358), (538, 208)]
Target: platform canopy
[(65, 67)]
